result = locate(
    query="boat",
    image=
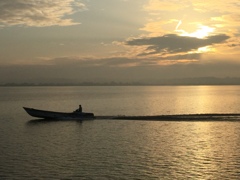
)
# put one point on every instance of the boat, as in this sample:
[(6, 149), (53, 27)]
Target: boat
[(78, 115)]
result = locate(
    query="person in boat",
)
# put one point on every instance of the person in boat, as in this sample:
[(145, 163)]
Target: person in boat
[(79, 110)]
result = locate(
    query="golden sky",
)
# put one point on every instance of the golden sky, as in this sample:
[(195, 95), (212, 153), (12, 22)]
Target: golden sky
[(122, 39)]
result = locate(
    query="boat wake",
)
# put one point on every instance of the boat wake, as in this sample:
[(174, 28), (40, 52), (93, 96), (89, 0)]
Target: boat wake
[(178, 117)]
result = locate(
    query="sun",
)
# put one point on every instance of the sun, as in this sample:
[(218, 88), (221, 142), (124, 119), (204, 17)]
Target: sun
[(201, 32)]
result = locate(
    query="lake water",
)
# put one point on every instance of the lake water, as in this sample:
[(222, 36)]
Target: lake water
[(119, 149)]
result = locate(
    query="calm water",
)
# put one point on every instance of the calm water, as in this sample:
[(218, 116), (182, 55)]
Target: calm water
[(115, 149)]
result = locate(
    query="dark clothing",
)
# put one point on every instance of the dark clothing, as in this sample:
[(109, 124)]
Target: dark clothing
[(80, 108)]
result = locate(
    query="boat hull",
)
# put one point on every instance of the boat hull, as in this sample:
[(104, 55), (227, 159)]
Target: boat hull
[(58, 115)]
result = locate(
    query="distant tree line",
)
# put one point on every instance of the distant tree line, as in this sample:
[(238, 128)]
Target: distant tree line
[(180, 81)]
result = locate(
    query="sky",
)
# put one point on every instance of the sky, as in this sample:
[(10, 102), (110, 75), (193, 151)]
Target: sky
[(118, 40)]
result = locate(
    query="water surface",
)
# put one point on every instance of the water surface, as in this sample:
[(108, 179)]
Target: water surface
[(116, 149)]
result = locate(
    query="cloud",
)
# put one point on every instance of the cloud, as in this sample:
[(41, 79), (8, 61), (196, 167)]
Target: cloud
[(117, 62), (230, 6), (172, 43), (198, 5), (223, 16), (38, 13), (166, 5), (93, 62)]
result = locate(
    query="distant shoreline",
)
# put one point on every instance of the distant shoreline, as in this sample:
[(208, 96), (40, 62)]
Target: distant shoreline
[(118, 85), (197, 81), (62, 85)]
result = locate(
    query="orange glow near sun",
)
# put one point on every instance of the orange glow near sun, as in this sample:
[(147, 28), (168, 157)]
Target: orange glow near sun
[(201, 32)]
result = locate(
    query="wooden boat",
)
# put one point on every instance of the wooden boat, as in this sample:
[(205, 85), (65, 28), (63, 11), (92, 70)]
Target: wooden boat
[(59, 115)]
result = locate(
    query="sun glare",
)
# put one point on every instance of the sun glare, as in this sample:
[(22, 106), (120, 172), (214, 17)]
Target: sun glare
[(201, 32), (204, 49)]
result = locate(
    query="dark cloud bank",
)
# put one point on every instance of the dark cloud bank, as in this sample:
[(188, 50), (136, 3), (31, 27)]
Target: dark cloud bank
[(172, 43)]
